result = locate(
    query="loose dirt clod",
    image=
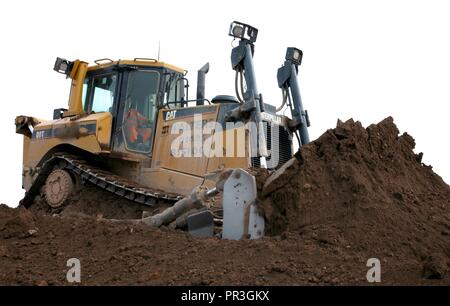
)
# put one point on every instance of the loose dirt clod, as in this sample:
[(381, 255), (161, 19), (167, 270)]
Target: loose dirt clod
[(435, 266), (353, 194), (19, 223)]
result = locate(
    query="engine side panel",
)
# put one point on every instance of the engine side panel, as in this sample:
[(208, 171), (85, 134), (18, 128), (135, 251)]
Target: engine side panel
[(192, 160), (180, 174)]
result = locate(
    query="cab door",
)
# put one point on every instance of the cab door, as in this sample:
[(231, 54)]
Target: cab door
[(136, 111), (100, 95)]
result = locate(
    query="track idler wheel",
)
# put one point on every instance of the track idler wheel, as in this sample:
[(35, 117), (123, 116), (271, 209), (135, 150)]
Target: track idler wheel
[(58, 187)]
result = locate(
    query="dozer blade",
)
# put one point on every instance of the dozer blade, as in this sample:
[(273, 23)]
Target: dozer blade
[(241, 216)]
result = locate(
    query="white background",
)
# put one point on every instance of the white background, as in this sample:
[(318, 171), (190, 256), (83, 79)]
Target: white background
[(362, 59)]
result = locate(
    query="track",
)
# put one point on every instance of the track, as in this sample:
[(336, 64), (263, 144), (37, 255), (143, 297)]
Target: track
[(99, 177)]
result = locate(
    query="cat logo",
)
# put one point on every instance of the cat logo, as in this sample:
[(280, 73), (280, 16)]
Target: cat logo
[(170, 115), (271, 117)]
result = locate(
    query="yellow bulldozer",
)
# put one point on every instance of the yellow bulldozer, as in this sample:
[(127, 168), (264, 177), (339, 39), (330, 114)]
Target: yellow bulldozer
[(131, 129)]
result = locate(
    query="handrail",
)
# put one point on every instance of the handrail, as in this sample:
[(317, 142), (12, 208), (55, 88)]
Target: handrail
[(186, 101), (98, 62), (145, 59)]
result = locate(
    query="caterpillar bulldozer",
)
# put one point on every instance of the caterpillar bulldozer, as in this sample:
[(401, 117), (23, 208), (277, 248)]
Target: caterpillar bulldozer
[(131, 129)]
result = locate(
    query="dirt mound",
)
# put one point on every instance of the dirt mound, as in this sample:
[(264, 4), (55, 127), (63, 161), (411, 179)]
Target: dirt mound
[(351, 195), (365, 189), (351, 174), (17, 223)]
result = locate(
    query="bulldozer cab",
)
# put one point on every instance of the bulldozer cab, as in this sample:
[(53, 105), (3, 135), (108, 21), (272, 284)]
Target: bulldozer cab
[(133, 94)]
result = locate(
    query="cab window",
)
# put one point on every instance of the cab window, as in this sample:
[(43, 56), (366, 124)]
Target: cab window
[(85, 94), (140, 110), (173, 90), (104, 88)]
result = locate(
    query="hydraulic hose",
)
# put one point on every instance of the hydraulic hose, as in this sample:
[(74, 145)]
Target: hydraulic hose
[(283, 103), (238, 85)]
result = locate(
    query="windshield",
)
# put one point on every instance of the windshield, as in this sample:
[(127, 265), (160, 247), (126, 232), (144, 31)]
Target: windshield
[(140, 110)]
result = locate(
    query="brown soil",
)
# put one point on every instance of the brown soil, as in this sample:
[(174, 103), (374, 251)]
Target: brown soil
[(351, 195)]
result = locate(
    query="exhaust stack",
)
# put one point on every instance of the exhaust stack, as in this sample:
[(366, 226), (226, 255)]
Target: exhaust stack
[(201, 84)]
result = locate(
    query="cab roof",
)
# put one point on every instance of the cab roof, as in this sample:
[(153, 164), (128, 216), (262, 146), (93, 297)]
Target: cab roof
[(147, 62)]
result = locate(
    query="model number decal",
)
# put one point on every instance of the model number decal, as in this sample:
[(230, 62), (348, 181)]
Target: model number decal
[(40, 134), (66, 131)]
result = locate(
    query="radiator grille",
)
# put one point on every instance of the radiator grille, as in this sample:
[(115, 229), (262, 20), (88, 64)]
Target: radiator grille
[(284, 139)]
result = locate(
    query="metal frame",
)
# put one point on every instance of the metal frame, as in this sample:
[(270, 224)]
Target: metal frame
[(287, 77), (242, 61)]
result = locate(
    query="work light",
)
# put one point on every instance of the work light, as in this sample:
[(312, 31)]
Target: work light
[(243, 31), (238, 31), (62, 66), (295, 55)]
